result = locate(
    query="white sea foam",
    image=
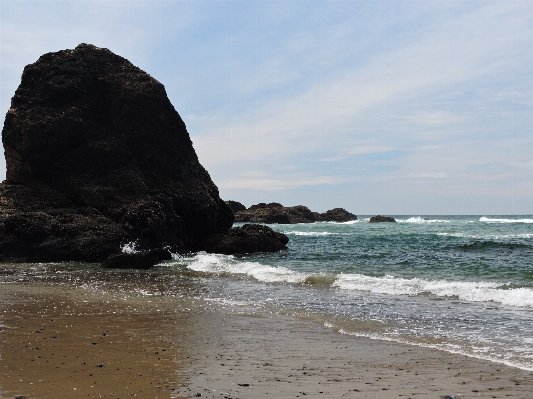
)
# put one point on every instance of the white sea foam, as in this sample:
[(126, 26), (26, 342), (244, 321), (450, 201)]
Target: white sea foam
[(224, 264), (487, 236), (491, 220), (447, 347), (387, 285), (420, 220), (130, 248), (467, 291), (348, 222), (310, 233)]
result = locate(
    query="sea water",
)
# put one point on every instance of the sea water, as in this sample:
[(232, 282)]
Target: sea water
[(462, 284)]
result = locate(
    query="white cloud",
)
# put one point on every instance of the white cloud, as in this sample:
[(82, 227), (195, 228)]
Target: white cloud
[(456, 51)]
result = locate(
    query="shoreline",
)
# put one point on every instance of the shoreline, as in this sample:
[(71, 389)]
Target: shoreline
[(181, 347)]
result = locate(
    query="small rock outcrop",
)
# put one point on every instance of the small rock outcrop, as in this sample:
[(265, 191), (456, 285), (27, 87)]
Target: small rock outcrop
[(382, 219), (277, 213), (235, 206), (97, 156), (246, 239), (140, 260), (336, 215), (263, 205)]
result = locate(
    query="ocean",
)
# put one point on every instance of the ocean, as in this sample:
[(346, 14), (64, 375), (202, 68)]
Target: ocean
[(461, 284)]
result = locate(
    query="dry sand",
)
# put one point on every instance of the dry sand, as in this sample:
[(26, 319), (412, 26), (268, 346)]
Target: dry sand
[(56, 343)]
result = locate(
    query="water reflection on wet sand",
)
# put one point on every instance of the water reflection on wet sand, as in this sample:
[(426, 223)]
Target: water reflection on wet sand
[(61, 341)]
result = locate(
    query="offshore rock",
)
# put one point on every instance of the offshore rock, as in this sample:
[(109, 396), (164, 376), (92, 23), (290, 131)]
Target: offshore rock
[(262, 205), (382, 219), (336, 215), (277, 213), (97, 156)]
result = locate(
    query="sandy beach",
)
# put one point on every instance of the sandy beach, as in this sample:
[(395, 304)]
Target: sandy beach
[(58, 342)]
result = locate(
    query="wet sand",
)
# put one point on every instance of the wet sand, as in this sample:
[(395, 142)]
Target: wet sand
[(57, 343), (273, 357), (56, 346)]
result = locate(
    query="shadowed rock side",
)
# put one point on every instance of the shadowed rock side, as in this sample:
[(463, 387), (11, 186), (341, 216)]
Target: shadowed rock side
[(97, 156), (245, 239), (382, 219), (141, 260), (277, 213)]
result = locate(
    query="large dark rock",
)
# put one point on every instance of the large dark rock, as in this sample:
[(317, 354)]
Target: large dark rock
[(277, 213), (382, 219), (246, 239), (97, 156)]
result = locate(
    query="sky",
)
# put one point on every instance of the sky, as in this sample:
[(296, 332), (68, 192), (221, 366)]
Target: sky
[(379, 107)]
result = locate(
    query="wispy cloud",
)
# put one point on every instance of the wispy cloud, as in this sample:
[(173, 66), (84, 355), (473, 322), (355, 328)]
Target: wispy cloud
[(331, 101), (266, 184)]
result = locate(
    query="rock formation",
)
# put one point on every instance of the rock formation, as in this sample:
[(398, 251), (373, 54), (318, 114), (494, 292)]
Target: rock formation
[(140, 260), (235, 206), (277, 213), (246, 239), (382, 219), (97, 156), (336, 215)]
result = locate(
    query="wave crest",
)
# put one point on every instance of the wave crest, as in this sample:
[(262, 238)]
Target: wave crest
[(497, 292), (420, 220), (491, 220), (467, 291), (227, 264)]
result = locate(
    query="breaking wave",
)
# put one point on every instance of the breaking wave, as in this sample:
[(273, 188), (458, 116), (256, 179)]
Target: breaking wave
[(466, 291), (420, 220), (497, 292), (488, 236), (227, 264), (491, 220)]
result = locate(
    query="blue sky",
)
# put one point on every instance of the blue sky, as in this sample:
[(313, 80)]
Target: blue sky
[(391, 107)]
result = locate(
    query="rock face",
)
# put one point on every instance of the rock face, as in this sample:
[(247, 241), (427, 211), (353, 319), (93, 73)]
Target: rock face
[(247, 238), (141, 260), (382, 219), (336, 215), (97, 156), (277, 213)]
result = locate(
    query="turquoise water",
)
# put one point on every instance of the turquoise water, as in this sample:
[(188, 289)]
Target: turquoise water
[(462, 284)]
